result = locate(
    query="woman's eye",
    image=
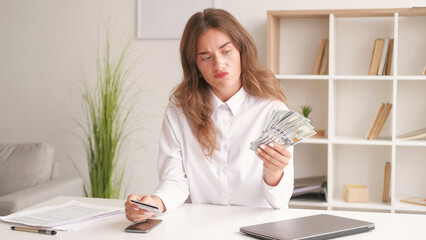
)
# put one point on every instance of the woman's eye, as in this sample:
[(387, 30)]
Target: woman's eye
[(206, 58), (227, 51)]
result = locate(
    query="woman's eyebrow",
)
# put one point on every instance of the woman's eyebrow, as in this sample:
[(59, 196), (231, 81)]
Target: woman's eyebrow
[(223, 45), (220, 47)]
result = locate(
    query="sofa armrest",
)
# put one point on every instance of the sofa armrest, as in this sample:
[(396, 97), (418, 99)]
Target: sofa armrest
[(63, 186)]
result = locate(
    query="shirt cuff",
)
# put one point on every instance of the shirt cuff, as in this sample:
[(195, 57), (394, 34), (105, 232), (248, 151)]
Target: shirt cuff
[(278, 196), (172, 197)]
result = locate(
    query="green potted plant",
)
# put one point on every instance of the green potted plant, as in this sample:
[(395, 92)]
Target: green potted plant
[(306, 110), (107, 114)]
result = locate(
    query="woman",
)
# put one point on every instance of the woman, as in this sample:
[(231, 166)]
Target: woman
[(221, 105)]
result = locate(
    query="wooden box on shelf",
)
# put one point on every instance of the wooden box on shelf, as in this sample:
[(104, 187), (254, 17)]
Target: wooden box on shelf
[(355, 193)]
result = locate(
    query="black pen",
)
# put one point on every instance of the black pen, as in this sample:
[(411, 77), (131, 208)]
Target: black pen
[(34, 230)]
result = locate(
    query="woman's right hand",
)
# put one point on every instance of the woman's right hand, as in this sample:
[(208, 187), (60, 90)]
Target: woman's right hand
[(133, 212)]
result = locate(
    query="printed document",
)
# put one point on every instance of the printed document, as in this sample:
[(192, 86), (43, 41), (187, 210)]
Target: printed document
[(63, 216)]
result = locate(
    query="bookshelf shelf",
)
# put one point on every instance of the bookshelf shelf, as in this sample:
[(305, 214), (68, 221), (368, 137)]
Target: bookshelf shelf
[(308, 204), (409, 208), (345, 100), (412, 143), (302, 77), (317, 140), (363, 77), (409, 78), (350, 140), (371, 205)]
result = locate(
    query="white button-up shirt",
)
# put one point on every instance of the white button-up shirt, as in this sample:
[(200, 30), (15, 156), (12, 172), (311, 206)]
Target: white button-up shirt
[(234, 174)]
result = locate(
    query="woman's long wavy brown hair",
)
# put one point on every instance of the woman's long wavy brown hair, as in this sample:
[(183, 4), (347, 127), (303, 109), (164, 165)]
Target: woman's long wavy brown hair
[(193, 93)]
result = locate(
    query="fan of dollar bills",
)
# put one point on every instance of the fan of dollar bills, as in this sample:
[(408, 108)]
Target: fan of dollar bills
[(285, 128)]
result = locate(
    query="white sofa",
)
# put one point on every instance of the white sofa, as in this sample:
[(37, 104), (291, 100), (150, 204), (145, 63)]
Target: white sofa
[(28, 176)]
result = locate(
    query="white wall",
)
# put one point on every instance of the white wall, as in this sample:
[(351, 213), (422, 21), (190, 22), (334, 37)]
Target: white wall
[(44, 43)]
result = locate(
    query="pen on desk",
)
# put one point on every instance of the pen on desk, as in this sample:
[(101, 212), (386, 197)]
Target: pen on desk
[(34, 230)]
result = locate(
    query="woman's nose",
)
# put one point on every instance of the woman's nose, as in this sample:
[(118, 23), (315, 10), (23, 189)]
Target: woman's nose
[(218, 63)]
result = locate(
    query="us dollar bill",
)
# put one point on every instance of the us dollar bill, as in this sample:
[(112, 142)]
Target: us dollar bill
[(285, 128)]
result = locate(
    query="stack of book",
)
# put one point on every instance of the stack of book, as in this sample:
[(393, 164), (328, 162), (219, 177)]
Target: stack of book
[(321, 65), (418, 134), (415, 200), (381, 60), (311, 188), (379, 121)]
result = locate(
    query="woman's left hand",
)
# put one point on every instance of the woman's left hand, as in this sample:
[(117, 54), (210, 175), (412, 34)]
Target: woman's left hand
[(275, 158)]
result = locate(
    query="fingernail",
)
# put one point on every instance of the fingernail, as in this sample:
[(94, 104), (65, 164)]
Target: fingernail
[(258, 150), (271, 144), (135, 209), (262, 146)]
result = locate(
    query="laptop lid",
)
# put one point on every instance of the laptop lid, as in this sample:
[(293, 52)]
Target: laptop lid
[(322, 226)]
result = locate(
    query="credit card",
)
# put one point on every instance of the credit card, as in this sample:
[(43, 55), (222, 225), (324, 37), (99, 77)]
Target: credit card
[(147, 207)]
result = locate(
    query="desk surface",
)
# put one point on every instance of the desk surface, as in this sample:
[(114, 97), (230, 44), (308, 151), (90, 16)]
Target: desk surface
[(196, 221)]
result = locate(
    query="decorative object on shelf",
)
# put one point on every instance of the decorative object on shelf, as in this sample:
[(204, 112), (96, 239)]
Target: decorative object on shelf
[(312, 188), (108, 109), (386, 184), (419, 134), (355, 193), (306, 110), (321, 64), (379, 121), (381, 59), (415, 200)]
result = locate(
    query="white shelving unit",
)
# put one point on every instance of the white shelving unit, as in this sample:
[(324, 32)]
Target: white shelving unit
[(346, 101)]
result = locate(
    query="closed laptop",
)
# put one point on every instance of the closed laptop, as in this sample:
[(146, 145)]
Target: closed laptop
[(321, 226)]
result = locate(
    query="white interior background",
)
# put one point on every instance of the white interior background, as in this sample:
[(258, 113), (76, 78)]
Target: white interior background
[(47, 46)]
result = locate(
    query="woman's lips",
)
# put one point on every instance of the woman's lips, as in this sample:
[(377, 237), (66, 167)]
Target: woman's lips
[(221, 75)]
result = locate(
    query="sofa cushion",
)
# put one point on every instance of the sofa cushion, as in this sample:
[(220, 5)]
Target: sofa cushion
[(24, 165)]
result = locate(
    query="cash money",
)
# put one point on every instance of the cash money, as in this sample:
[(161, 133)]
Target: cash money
[(285, 128)]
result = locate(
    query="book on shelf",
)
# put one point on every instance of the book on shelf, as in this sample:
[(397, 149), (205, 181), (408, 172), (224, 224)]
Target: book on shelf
[(415, 200), (386, 184), (376, 56), (311, 188), (376, 120), (383, 57), (379, 121), (382, 121), (319, 57), (389, 58), (324, 61), (418, 134)]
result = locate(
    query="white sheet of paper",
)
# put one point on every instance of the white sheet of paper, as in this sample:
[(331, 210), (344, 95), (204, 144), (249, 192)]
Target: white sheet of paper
[(63, 216)]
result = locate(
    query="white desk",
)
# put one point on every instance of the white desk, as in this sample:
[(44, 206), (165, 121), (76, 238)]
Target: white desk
[(195, 221)]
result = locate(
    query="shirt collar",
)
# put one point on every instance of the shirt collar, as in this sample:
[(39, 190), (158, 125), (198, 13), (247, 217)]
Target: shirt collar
[(234, 103)]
